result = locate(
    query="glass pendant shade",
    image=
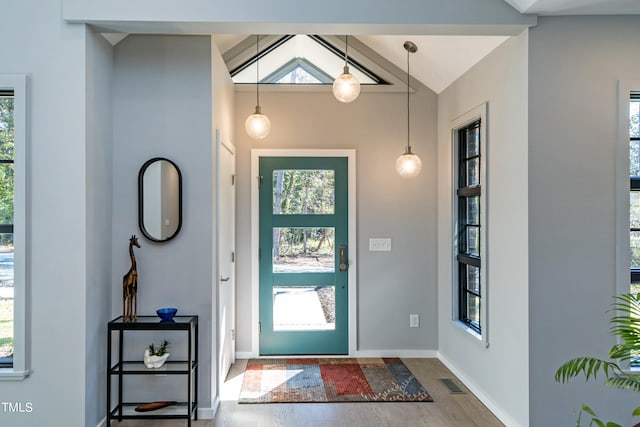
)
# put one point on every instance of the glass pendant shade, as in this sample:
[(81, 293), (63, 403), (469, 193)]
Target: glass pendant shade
[(346, 87), (408, 165), (257, 125)]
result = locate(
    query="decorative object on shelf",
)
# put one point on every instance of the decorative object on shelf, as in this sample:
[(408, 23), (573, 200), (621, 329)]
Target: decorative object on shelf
[(155, 357), (152, 406), (130, 285), (409, 164), (166, 314), (258, 125), (346, 87)]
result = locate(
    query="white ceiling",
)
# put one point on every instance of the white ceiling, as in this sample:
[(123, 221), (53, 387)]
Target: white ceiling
[(577, 7), (440, 60)]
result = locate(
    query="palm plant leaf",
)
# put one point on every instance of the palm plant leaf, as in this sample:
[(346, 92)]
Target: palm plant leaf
[(587, 366), (624, 381), (626, 325)]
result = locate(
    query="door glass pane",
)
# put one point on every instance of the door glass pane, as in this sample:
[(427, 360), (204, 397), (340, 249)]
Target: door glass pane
[(473, 172), (473, 309), (473, 278), (303, 250), (302, 192), (304, 308)]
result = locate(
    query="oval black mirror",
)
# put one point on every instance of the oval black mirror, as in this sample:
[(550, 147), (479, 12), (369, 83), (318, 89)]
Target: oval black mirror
[(159, 199)]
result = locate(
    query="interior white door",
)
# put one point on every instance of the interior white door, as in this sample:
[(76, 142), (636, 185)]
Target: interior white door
[(226, 197)]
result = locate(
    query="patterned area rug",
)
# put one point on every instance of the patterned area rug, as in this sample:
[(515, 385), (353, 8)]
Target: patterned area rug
[(330, 380)]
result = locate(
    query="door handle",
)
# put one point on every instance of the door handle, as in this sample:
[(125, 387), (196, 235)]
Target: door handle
[(342, 251), (224, 279)]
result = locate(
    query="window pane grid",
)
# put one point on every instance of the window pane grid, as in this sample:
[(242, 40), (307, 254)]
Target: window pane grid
[(469, 225), (7, 136), (634, 193)]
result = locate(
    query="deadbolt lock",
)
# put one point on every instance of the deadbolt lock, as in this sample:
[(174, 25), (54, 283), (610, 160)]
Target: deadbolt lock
[(343, 258)]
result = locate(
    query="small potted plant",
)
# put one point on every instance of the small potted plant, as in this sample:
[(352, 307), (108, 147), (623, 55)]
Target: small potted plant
[(154, 357)]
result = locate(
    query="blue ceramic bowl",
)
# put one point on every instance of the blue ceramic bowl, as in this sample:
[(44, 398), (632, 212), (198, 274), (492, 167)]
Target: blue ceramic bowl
[(166, 313)]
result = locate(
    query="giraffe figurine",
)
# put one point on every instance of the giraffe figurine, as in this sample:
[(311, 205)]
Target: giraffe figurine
[(130, 285)]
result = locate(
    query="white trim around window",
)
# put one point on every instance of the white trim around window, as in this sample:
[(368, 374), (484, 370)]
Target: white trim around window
[(623, 255), (477, 113), (20, 369)]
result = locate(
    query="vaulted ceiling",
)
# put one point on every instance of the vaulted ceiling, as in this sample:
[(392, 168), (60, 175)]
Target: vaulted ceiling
[(440, 60)]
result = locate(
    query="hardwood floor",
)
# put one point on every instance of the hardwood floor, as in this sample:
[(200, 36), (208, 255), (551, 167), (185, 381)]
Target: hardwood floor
[(447, 410)]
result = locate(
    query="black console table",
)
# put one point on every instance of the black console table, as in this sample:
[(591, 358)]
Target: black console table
[(189, 368)]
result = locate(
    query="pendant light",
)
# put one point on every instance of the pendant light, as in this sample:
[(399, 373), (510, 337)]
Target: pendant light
[(409, 164), (346, 87), (257, 125)]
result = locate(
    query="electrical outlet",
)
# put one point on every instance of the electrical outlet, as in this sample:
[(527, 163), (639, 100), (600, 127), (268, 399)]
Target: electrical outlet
[(414, 320)]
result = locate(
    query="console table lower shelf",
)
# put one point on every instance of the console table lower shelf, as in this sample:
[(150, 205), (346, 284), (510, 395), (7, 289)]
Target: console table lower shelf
[(178, 410)]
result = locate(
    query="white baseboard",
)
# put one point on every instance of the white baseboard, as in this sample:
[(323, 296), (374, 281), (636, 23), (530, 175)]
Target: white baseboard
[(209, 413), (102, 423), (362, 353), (426, 354), (245, 355), (479, 392)]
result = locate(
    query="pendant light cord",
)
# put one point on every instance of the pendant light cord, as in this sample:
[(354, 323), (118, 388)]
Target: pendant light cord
[(346, 50), (257, 71), (408, 120)]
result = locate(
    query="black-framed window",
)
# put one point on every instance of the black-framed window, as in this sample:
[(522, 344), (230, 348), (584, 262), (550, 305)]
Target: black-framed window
[(7, 135), (468, 193), (634, 187)]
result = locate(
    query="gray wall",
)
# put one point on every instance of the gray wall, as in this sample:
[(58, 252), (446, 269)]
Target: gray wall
[(53, 55), (574, 66), (99, 178), (391, 285), (497, 373), (162, 107)]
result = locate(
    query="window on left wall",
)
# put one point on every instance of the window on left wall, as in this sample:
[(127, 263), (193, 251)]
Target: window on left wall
[(7, 142), (13, 227)]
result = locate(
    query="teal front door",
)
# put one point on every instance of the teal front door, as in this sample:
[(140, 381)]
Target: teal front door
[(303, 255)]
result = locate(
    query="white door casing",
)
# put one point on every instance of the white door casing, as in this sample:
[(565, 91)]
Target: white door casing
[(226, 254)]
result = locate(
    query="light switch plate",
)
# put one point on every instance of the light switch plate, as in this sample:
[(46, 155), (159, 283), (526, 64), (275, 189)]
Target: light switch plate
[(380, 244)]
